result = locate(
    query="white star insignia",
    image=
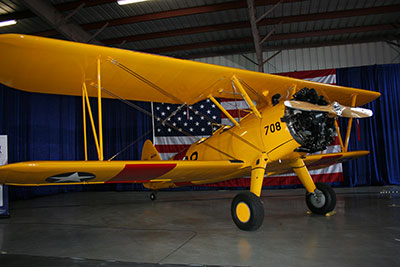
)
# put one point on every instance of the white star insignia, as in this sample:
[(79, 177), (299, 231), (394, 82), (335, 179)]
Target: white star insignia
[(73, 177)]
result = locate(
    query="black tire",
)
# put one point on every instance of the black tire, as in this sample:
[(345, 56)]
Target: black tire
[(324, 201), (153, 196), (255, 217)]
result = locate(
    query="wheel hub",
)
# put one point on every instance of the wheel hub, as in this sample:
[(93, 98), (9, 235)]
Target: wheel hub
[(317, 199), (243, 212)]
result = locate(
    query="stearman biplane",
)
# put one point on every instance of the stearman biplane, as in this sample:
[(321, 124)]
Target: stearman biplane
[(288, 120)]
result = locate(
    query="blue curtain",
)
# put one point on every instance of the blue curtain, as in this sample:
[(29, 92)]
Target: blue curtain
[(379, 134), (50, 127)]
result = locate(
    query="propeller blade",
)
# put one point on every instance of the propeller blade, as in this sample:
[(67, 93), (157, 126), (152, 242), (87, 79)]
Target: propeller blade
[(356, 112), (334, 109), (307, 106)]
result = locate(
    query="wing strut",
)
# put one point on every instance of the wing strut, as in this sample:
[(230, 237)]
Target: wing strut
[(346, 143), (99, 110), (223, 110), (96, 141), (84, 122), (246, 97)]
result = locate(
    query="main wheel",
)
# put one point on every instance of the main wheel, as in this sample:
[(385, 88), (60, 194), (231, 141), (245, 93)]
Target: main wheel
[(247, 211), (323, 200)]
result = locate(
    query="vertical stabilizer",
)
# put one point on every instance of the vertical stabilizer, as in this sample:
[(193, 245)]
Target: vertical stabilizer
[(149, 152)]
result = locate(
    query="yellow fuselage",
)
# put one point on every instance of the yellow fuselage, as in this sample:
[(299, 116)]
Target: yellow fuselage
[(247, 141)]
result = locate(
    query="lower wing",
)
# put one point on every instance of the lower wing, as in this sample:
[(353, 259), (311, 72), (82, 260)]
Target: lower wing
[(81, 172), (316, 161)]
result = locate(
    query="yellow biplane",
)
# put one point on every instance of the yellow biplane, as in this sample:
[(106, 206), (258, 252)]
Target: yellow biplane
[(288, 120)]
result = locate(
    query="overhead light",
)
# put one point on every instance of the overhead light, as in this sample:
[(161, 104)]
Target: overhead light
[(127, 2), (7, 23)]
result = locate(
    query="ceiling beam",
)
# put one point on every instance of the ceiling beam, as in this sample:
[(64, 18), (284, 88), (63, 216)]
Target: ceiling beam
[(292, 46), (56, 19), (170, 14), (246, 24), (276, 37), (60, 7), (255, 34)]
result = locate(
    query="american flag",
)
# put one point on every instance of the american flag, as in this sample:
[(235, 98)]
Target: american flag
[(190, 124), (176, 127)]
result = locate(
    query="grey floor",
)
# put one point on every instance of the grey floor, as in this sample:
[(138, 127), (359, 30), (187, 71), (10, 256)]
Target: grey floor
[(195, 228)]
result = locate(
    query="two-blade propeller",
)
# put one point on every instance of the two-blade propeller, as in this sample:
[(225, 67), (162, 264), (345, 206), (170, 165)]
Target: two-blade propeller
[(334, 109)]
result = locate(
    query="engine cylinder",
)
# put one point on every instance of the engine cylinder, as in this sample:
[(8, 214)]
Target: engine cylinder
[(314, 131)]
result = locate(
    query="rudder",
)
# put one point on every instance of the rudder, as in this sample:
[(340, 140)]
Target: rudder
[(149, 152)]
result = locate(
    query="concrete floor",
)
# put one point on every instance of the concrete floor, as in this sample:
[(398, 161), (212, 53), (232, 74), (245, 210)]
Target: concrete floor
[(122, 228)]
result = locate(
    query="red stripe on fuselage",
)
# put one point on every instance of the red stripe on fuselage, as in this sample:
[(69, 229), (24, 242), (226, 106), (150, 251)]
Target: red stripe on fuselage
[(143, 171)]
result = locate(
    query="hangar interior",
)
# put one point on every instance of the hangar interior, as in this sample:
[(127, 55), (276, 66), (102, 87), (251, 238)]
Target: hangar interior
[(351, 43)]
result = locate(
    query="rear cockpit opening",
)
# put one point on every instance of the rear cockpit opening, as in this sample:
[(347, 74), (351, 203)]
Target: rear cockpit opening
[(313, 130)]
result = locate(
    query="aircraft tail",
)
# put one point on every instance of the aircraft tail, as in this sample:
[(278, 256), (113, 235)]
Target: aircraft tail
[(149, 152)]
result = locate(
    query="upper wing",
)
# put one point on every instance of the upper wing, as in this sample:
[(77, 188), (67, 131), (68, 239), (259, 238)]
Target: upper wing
[(67, 172), (60, 67)]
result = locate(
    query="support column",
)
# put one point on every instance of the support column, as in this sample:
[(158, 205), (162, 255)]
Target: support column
[(256, 34), (4, 201)]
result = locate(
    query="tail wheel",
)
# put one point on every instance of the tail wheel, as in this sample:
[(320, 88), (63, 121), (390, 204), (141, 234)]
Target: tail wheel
[(153, 196), (247, 211), (322, 200)]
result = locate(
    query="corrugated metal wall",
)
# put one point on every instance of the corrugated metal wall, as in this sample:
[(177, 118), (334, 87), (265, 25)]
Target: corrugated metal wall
[(315, 58)]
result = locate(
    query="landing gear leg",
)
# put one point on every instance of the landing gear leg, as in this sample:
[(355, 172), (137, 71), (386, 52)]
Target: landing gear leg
[(247, 208), (320, 197)]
